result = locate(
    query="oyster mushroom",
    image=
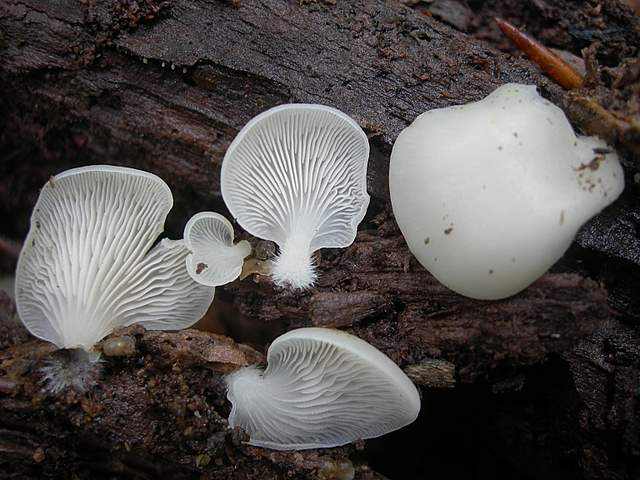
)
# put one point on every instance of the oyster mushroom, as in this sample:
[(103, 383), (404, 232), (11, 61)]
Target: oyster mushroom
[(489, 195), (89, 263), (297, 175), (322, 388), (214, 259)]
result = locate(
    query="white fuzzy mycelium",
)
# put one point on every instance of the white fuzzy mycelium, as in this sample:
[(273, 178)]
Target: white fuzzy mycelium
[(214, 259), (89, 263), (322, 388), (297, 175), (75, 368), (491, 194)]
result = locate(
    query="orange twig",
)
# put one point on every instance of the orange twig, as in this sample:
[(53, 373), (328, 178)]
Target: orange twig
[(549, 62)]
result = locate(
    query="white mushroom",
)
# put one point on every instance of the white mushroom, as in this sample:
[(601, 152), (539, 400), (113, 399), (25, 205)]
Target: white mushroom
[(297, 175), (322, 388), (489, 195), (214, 259), (88, 264)]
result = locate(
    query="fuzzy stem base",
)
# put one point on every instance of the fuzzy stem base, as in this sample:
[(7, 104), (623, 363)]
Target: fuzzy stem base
[(294, 266)]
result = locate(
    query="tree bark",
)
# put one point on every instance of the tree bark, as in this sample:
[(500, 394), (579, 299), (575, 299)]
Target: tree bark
[(165, 86)]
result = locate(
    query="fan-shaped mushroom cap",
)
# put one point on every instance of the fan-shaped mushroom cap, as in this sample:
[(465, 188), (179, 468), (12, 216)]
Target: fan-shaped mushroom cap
[(88, 266), (214, 259), (490, 194), (297, 175), (322, 388)]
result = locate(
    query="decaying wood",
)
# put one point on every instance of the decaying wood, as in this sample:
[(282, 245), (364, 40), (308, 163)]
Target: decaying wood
[(376, 289), (606, 371), (177, 119), (165, 86), (159, 411)]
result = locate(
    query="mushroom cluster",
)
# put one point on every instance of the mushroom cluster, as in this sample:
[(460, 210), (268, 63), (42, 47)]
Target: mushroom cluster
[(488, 196), (89, 263)]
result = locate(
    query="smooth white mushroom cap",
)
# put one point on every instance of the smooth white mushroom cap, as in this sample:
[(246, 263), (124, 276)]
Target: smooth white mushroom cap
[(297, 175), (322, 388), (89, 263), (489, 195), (214, 259)]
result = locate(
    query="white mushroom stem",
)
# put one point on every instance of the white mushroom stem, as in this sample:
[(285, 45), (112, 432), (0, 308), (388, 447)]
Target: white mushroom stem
[(294, 266), (75, 368)]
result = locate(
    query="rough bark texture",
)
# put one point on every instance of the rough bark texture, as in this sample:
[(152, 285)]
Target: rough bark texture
[(542, 385)]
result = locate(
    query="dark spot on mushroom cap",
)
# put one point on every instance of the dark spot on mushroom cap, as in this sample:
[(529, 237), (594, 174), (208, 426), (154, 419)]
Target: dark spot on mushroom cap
[(426, 241), (515, 134), (499, 147), (448, 230), (490, 271), (561, 217), (593, 165), (38, 224), (513, 259), (200, 267)]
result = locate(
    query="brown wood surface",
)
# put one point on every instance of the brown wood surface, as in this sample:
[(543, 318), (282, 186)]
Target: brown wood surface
[(165, 86)]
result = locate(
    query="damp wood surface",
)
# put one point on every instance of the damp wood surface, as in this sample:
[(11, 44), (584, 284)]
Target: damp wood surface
[(158, 412), (164, 86)]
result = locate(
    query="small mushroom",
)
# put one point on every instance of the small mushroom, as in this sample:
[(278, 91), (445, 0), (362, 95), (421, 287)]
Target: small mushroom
[(89, 263), (214, 259), (499, 188), (297, 175), (322, 388)]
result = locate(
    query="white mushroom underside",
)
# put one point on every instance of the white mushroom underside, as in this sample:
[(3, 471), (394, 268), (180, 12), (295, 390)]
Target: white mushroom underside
[(214, 259), (296, 175), (322, 388), (490, 194), (88, 265)]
